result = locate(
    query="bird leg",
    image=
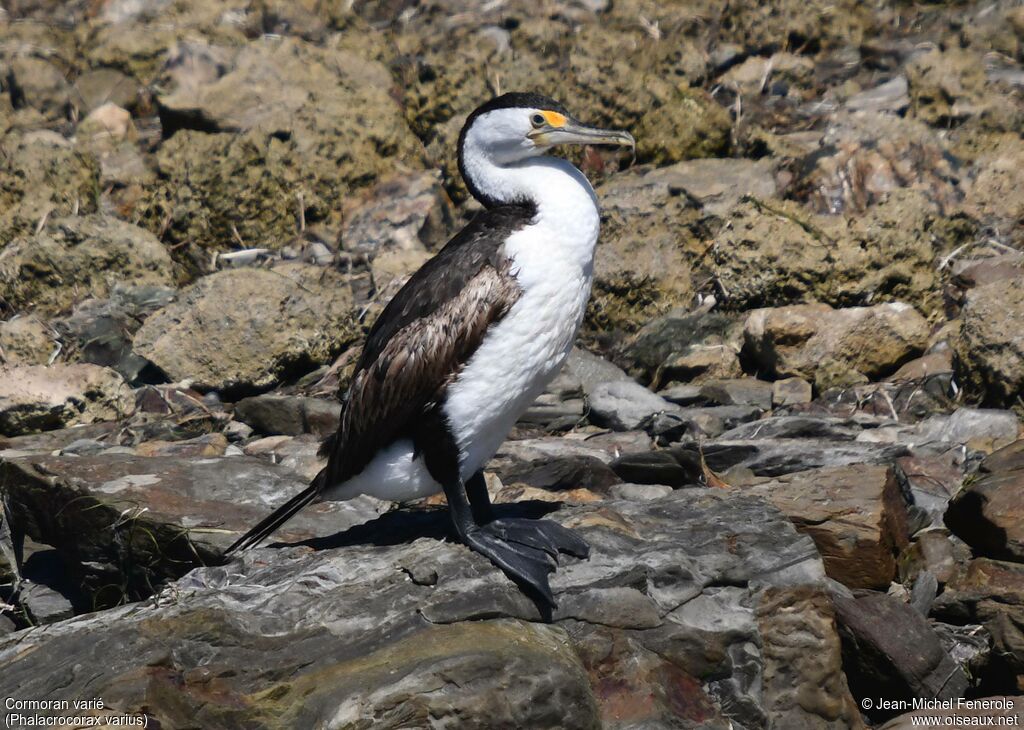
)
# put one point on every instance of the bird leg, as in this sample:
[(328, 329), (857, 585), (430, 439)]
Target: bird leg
[(525, 549)]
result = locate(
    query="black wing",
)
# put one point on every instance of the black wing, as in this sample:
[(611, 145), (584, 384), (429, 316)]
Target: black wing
[(416, 347)]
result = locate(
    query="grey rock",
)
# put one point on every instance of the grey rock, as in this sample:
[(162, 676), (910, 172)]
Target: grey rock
[(290, 415), (43, 604), (640, 492), (773, 457), (623, 404), (977, 426), (922, 595), (584, 371), (683, 394), (675, 467), (574, 472), (6, 625), (100, 331), (391, 619), (787, 427), (664, 339)]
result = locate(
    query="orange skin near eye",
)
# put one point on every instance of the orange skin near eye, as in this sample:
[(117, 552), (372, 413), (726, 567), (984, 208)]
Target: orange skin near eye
[(554, 119)]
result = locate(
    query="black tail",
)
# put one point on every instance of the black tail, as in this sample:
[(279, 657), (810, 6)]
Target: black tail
[(275, 519)]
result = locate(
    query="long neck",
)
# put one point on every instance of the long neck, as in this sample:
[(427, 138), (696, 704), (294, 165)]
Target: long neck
[(562, 196)]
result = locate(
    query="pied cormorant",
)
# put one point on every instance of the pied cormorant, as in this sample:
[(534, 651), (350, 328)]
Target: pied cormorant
[(473, 338)]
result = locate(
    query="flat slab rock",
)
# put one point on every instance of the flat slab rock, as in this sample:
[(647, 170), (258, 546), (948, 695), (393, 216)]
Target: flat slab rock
[(154, 518), (855, 514), (699, 609)]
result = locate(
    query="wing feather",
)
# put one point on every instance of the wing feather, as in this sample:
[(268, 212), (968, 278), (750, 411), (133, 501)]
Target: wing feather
[(421, 341)]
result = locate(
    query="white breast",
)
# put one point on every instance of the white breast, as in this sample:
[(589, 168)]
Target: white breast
[(553, 261)]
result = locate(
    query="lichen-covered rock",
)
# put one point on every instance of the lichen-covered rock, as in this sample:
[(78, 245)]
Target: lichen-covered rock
[(80, 257), (990, 346), (249, 328), (770, 254), (695, 610), (279, 138), (619, 76), (41, 85), (834, 346), (41, 398), (42, 175)]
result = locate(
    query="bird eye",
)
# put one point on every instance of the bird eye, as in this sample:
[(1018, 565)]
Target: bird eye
[(537, 120)]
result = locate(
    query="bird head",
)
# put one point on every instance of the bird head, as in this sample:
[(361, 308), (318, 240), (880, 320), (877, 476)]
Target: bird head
[(516, 126)]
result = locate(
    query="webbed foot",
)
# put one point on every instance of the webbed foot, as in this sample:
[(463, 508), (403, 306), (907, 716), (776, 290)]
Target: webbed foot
[(527, 550)]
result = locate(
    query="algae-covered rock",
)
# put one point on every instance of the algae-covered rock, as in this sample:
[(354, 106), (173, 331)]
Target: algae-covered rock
[(687, 124), (42, 175), (249, 328), (75, 258), (296, 127), (770, 254)]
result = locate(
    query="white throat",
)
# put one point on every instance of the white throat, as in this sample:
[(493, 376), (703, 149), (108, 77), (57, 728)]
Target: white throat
[(565, 203)]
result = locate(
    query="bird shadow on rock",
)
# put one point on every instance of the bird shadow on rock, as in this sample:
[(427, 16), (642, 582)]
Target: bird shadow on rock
[(406, 525)]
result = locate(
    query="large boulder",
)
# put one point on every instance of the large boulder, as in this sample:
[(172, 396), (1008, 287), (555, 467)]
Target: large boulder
[(75, 258), (41, 398), (834, 346), (249, 328), (770, 254), (698, 609), (277, 138)]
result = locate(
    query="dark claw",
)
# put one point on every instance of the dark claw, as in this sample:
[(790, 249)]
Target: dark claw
[(527, 550)]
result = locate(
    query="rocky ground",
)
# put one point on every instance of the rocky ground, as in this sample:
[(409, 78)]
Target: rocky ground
[(792, 430)]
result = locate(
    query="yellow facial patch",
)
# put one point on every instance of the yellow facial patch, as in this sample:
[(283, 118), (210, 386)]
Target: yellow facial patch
[(554, 119)]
